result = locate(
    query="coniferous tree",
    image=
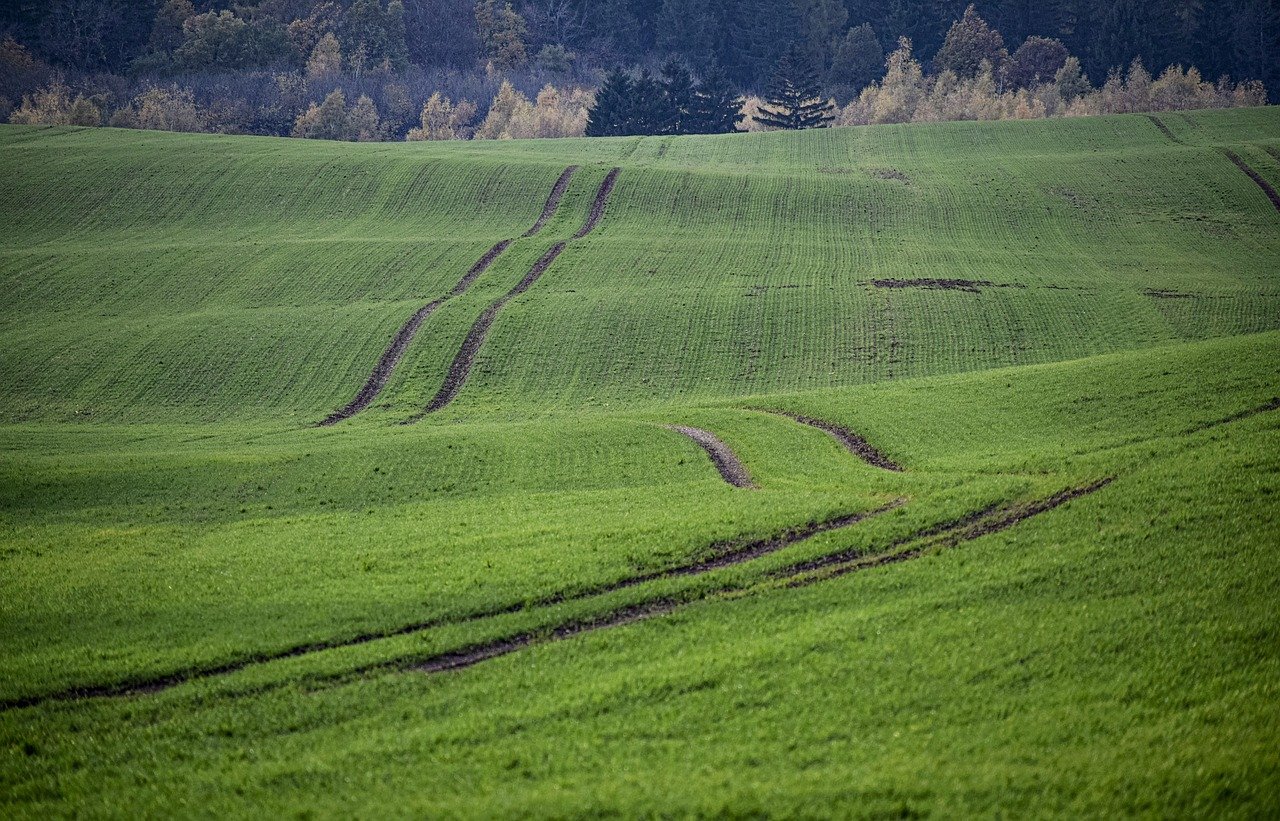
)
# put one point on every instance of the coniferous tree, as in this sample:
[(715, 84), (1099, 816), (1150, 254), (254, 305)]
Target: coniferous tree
[(677, 94), (649, 114), (717, 106), (611, 116), (794, 99)]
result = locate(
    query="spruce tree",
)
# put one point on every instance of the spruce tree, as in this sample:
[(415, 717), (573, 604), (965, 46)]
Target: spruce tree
[(649, 105), (612, 114), (717, 106), (678, 98), (794, 99)]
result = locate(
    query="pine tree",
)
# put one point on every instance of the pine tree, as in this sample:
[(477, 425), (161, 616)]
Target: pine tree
[(717, 106), (611, 115), (794, 100)]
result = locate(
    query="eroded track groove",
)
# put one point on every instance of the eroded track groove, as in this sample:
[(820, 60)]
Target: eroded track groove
[(400, 342), (850, 440), (460, 368), (722, 456), (1255, 176), (1164, 129), (975, 525), (718, 555), (967, 529)]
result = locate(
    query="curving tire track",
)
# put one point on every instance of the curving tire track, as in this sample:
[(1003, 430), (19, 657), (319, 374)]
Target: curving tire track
[(941, 536), (722, 554), (722, 456), (460, 368), (553, 200), (400, 342), (1255, 176), (851, 441)]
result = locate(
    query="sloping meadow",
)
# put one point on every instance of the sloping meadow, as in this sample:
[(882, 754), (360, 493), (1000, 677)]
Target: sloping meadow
[(897, 470)]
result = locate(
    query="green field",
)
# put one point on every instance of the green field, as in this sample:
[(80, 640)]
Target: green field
[(1065, 333)]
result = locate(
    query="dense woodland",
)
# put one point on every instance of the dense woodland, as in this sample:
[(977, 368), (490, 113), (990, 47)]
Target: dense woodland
[(449, 69)]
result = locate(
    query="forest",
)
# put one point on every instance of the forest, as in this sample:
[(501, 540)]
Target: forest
[(451, 69)]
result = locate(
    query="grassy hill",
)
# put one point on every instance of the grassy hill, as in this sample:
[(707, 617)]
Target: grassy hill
[(1002, 396)]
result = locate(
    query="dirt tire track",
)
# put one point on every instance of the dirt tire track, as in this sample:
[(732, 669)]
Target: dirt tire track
[(400, 342), (723, 554), (1266, 407), (1255, 176), (726, 461), (469, 656), (599, 204), (1164, 129), (967, 528), (851, 441), (553, 200), (460, 368), (972, 527)]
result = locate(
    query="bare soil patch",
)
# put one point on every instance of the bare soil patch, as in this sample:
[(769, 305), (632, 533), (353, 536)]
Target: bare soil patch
[(970, 286), (890, 174)]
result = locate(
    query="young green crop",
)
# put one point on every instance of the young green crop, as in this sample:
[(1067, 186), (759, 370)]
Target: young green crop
[(1006, 310)]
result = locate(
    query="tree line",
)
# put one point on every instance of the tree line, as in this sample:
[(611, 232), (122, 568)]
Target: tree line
[(451, 69), (845, 40)]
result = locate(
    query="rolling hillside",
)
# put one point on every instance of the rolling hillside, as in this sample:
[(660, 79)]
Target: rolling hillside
[(928, 469)]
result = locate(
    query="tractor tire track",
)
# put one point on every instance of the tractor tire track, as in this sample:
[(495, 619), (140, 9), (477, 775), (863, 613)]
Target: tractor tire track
[(1164, 129), (722, 555), (460, 368), (400, 342), (970, 528), (1266, 407), (722, 456), (553, 201), (1255, 176), (965, 529), (851, 441), (975, 525)]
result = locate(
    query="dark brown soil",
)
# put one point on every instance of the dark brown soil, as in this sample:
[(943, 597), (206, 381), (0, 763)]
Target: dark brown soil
[(722, 554), (1255, 176), (1164, 129), (726, 461), (553, 201), (460, 367), (890, 174), (967, 285), (969, 528), (392, 355), (851, 441)]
